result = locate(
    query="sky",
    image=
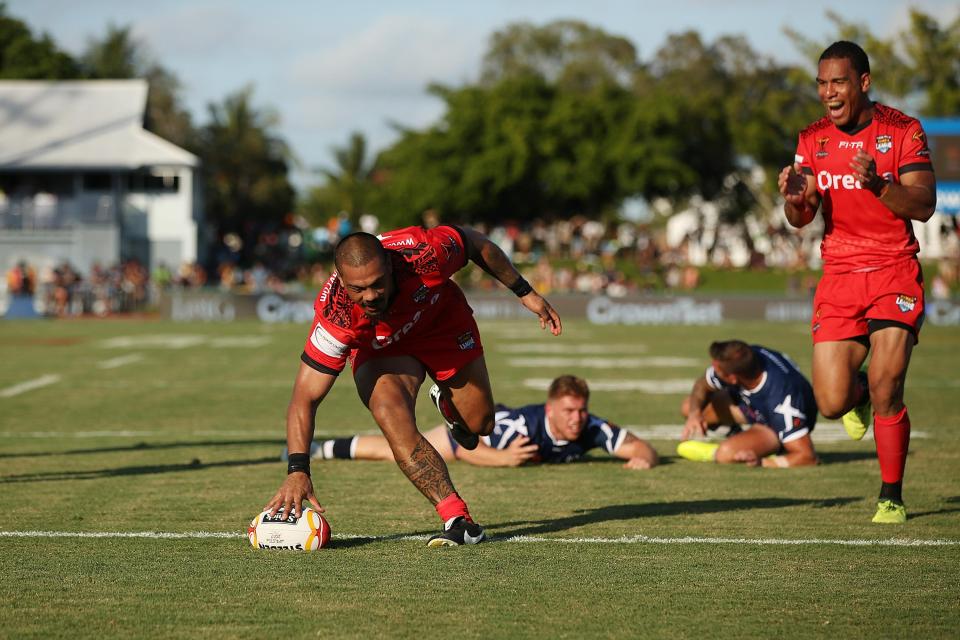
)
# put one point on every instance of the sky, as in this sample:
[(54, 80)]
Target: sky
[(332, 68)]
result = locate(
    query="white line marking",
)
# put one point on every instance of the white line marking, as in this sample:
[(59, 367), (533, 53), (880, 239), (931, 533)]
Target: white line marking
[(182, 341), (672, 386), (30, 385), (639, 539), (607, 363), (113, 363), (539, 347)]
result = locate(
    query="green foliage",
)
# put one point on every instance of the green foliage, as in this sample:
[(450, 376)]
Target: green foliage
[(245, 164), (24, 56)]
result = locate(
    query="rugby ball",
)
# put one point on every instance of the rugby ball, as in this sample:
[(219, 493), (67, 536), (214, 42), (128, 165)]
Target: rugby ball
[(309, 532)]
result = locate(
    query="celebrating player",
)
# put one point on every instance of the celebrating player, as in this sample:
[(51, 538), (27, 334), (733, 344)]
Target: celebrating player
[(755, 387), (869, 166), (560, 430), (392, 309)]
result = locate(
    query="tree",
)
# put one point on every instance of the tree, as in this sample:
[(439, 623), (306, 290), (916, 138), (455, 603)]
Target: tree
[(118, 55), (26, 57), (245, 168), (569, 53)]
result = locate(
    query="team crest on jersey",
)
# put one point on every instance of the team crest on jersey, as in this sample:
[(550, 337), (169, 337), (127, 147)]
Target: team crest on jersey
[(421, 294), (884, 143), (466, 341), (822, 147), (906, 303)]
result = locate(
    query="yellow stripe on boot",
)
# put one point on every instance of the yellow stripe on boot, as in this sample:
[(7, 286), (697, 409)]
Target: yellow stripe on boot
[(698, 451)]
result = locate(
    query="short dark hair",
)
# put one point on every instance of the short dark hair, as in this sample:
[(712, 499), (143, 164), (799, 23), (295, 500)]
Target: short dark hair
[(357, 249), (568, 386), (851, 51), (736, 357)]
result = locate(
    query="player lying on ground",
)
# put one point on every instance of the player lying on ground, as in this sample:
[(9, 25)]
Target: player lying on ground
[(393, 311), (868, 165), (559, 430), (763, 396)]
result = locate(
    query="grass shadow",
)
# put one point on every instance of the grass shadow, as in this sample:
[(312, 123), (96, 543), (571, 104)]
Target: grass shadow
[(95, 474), (842, 457), (145, 446), (614, 513)]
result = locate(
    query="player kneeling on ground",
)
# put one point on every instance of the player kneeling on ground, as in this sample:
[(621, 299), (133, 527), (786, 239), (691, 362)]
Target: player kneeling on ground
[(756, 388), (393, 311), (560, 430)]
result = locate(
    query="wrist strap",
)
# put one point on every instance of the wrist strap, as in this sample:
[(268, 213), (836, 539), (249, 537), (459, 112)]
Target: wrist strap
[(521, 287), (298, 462)]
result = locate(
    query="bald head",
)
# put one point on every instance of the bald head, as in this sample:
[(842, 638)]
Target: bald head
[(357, 250)]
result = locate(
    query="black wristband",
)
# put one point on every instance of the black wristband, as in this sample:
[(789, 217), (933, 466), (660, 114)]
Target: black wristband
[(521, 287), (298, 462)]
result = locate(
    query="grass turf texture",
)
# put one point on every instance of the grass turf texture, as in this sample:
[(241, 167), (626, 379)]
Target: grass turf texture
[(187, 439)]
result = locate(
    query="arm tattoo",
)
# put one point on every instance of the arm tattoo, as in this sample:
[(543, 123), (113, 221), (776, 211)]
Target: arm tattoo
[(427, 471)]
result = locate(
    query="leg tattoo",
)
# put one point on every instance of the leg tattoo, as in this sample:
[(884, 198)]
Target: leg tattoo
[(428, 472)]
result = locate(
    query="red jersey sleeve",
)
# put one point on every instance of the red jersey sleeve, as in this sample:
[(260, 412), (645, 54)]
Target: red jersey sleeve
[(914, 152), (331, 338), (450, 247), (803, 156)]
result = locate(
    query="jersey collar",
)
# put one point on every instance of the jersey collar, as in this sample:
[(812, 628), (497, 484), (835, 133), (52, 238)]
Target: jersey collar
[(553, 438), (756, 389)]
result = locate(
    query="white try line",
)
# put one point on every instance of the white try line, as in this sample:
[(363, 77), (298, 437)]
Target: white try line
[(30, 385), (638, 539), (120, 361)]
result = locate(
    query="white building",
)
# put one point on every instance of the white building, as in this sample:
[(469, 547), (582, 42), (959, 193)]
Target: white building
[(81, 180)]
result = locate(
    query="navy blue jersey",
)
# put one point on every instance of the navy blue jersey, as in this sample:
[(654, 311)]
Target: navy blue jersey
[(783, 400), (531, 421)]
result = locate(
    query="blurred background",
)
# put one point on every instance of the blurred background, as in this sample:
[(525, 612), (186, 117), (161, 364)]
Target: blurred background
[(152, 151)]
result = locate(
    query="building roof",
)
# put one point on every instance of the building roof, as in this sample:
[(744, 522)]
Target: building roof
[(81, 124)]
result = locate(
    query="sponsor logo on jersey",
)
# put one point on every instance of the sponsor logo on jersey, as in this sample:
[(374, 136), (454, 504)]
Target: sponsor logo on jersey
[(827, 180), (379, 342), (906, 303), (326, 344), (421, 294), (846, 144), (450, 248), (390, 243), (797, 158), (822, 147), (466, 341), (884, 143)]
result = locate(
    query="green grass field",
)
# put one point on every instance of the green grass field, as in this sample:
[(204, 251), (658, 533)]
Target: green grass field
[(157, 427)]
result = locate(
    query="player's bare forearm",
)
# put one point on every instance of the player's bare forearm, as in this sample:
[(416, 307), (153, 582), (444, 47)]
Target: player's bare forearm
[(699, 395), (910, 202), (488, 256), (637, 451), (309, 390), (427, 471)]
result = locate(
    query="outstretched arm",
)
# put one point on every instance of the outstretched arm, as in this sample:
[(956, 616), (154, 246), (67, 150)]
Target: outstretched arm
[(309, 390), (519, 451), (696, 424), (489, 257), (638, 453)]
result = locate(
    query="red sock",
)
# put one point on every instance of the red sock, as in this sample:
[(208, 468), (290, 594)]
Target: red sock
[(453, 506), (892, 435)]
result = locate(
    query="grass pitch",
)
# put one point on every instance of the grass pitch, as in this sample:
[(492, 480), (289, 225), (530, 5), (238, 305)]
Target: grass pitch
[(126, 427)]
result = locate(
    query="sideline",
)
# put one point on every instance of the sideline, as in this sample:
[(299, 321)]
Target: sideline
[(166, 535)]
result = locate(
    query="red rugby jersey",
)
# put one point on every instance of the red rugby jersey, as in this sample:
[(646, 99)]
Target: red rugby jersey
[(860, 232), (423, 261)]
